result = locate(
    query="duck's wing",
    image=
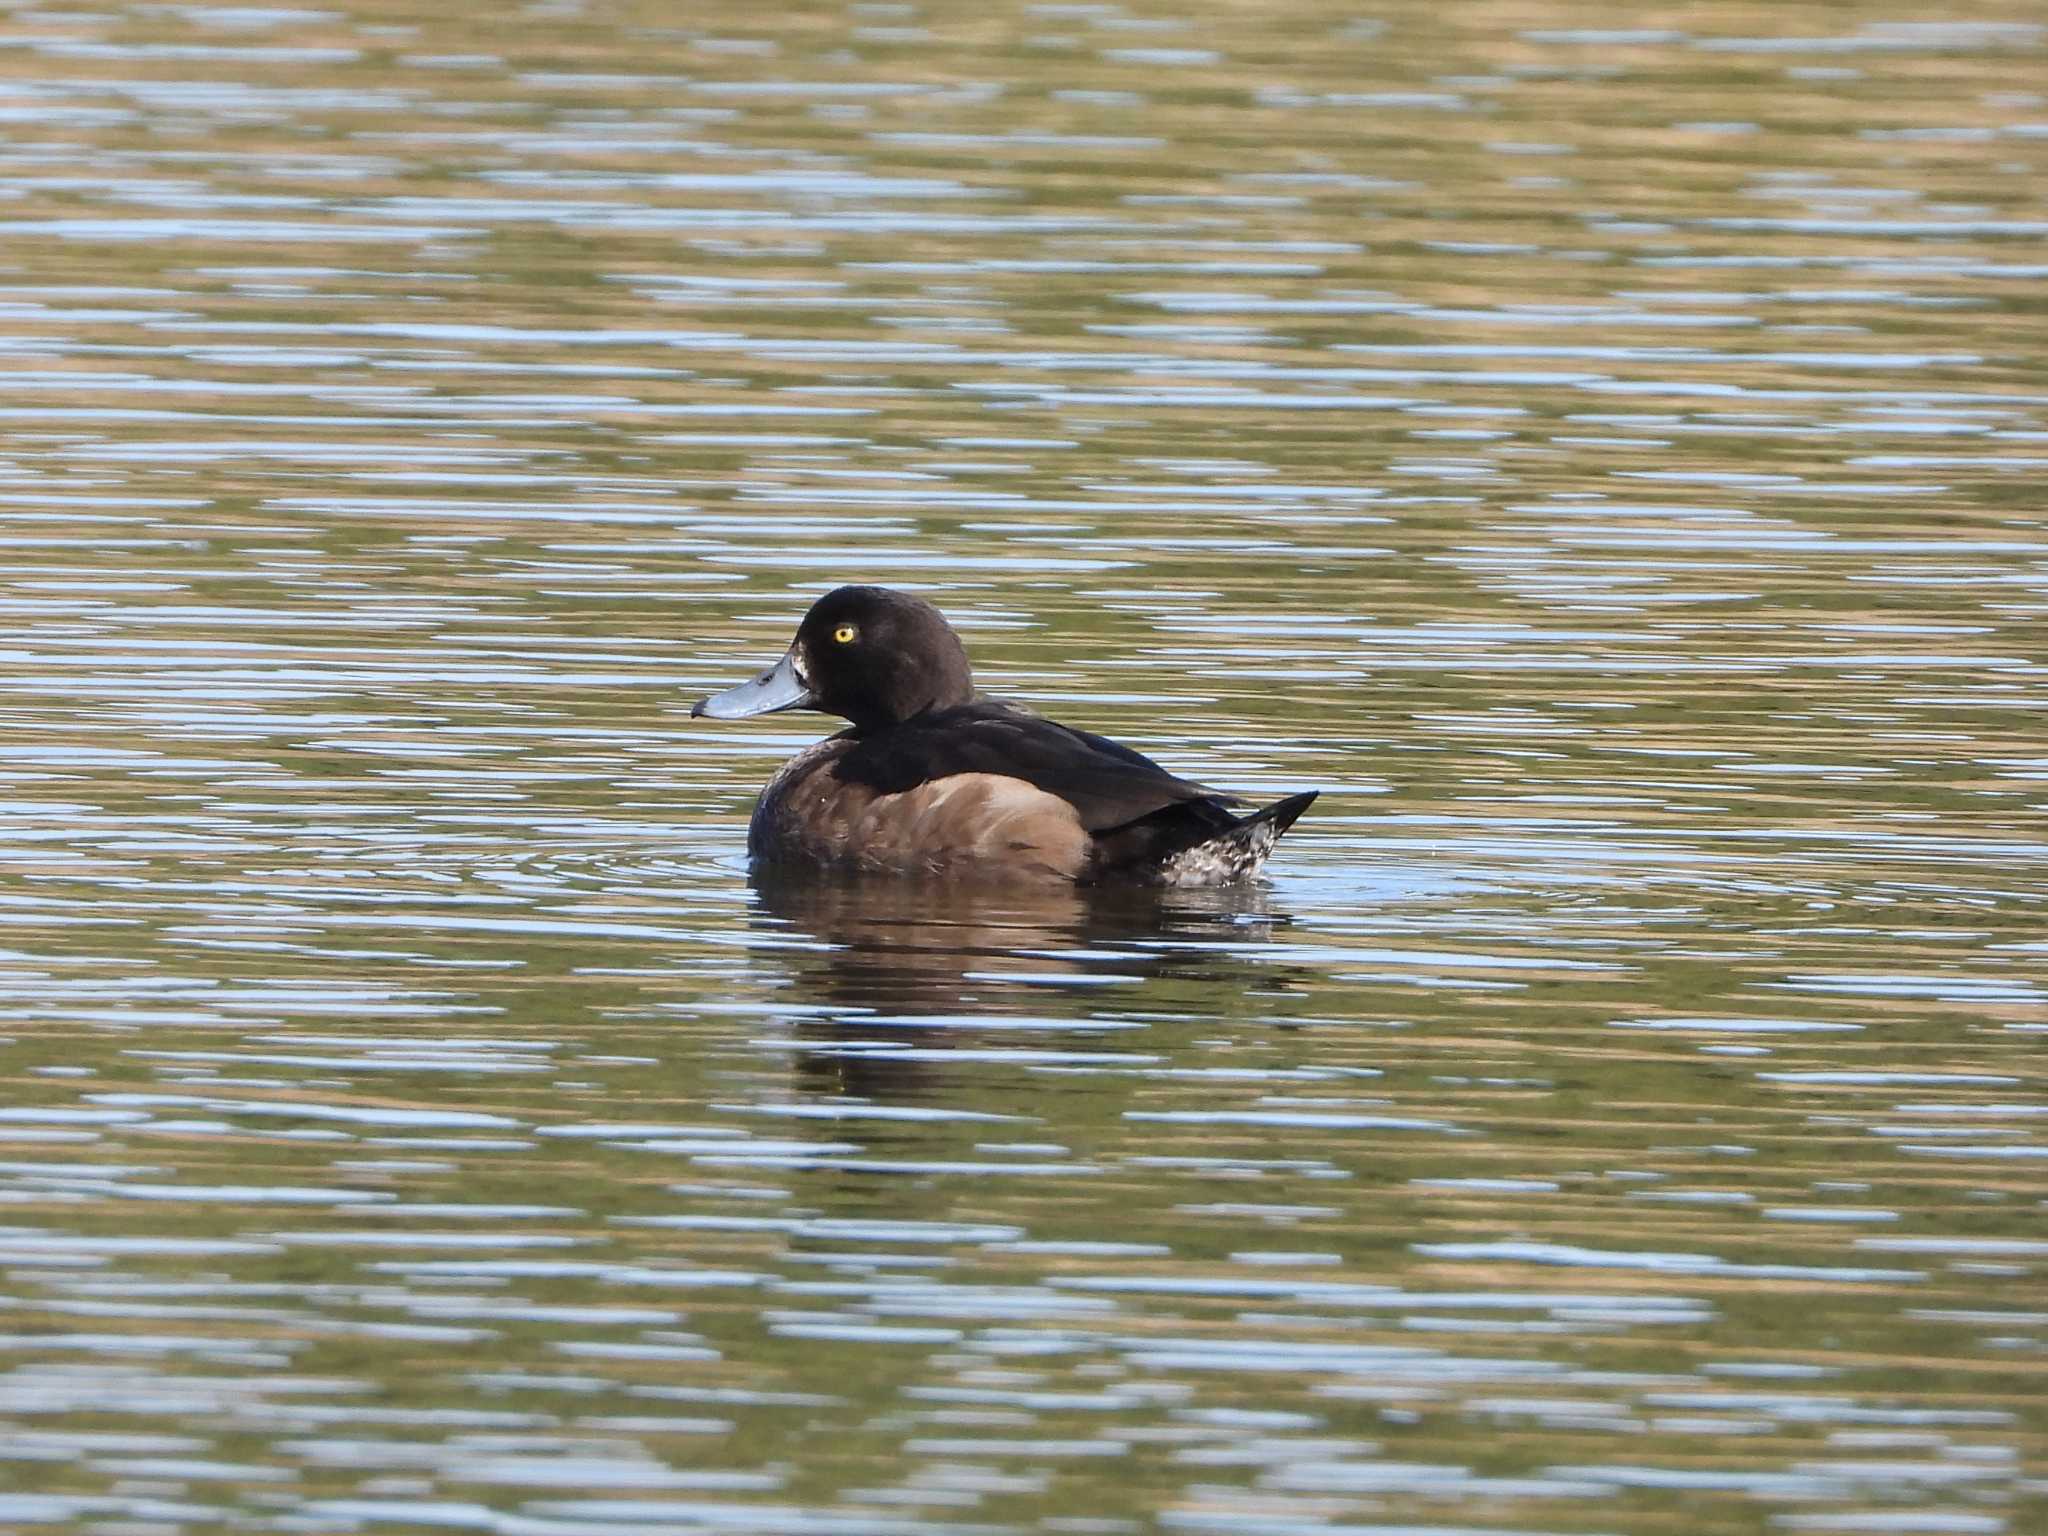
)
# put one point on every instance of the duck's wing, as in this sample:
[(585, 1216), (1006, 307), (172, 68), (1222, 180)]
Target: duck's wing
[(1107, 784)]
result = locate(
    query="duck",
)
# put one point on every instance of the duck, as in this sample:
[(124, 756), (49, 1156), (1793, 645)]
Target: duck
[(932, 779)]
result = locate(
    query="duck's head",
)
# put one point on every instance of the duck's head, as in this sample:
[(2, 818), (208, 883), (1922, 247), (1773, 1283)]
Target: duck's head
[(874, 656)]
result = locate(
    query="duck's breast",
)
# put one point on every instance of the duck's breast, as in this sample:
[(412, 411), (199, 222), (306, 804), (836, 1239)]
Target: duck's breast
[(961, 823)]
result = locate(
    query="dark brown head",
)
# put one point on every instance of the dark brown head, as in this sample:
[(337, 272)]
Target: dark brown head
[(875, 656)]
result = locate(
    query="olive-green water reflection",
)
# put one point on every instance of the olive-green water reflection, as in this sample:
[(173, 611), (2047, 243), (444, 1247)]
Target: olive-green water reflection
[(1601, 453)]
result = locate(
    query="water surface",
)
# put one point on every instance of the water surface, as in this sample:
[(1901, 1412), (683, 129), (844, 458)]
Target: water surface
[(1604, 459)]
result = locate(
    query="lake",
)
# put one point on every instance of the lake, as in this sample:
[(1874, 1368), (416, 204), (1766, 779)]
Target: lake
[(1603, 452)]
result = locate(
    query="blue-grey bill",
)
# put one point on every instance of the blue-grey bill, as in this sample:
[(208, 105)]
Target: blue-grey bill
[(780, 687)]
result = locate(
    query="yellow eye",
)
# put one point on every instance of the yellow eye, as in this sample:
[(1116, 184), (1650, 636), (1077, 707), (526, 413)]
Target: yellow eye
[(844, 634)]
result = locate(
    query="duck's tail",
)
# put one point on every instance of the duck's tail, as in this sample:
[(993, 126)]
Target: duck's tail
[(1238, 852)]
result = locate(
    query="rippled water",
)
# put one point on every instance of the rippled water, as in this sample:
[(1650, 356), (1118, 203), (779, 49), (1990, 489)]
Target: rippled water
[(1605, 455)]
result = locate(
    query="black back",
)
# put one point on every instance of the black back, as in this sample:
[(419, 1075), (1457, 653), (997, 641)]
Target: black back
[(1108, 785)]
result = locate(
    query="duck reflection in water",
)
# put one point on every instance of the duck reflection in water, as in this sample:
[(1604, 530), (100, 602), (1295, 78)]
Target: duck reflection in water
[(904, 973)]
